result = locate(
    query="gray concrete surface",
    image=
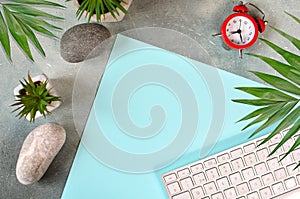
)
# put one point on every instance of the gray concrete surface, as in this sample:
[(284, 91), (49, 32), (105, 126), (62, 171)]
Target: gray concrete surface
[(198, 19)]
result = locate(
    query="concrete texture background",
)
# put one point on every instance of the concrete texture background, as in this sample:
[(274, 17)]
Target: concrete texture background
[(198, 19)]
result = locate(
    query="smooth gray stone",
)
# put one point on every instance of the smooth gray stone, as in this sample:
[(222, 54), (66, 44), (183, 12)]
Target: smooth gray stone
[(78, 41), (38, 151)]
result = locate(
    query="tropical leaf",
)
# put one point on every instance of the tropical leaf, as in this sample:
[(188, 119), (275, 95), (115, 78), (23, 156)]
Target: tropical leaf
[(279, 104), (22, 19), (4, 38), (291, 58), (278, 82), (293, 40), (17, 32)]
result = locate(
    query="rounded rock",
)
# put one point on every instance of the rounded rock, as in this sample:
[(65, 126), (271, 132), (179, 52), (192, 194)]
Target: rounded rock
[(78, 41), (38, 151)]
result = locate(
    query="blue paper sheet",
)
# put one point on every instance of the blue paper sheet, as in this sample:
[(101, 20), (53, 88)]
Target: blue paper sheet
[(154, 111)]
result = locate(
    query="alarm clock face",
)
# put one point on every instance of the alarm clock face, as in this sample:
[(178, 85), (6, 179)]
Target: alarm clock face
[(239, 31)]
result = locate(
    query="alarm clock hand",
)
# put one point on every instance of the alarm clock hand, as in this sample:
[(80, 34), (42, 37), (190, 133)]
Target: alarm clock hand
[(241, 37)]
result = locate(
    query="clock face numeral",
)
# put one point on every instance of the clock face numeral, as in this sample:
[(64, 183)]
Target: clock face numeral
[(239, 30)]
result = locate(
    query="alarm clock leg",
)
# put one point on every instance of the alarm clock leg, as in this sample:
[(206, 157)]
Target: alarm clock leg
[(217, 35), (241, 54)]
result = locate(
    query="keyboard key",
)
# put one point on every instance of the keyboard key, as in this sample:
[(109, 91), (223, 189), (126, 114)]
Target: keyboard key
[(198, 193), (199, 178), (253, 195), (249, 148), (265, 192), (212, 174), (273, 163), (223, 158), (184, 195), (278, 188), (170, 178), (250, 159), (237, 164), (298, 178), (242, 188), (280, 174), (223, 183), (268, 179), (276, 138), (290, 183), (236, 153), (255, 183), (287, 160), (197, 168), (210, 163), (278, 151), (288, 144), (262, 154), (210, 188), (296, 155), (291, 169), (174, 188), (225, 169), (248, 173), (183, 173), (235, 178), (218, 195), (260, 168), (186, 183), (230, 193)]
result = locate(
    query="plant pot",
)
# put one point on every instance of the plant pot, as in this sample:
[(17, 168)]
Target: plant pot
[(36, 79), (107, 17)]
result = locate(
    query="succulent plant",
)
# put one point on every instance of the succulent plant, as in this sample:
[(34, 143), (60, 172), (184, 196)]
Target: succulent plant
[(21, 19), (279, 104), (34, 97), (99, 7)]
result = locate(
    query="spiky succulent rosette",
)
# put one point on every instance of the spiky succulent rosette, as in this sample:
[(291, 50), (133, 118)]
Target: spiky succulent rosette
[(34, 97)]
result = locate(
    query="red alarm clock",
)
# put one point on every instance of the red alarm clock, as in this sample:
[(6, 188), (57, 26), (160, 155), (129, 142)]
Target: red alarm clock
[(240, 30)]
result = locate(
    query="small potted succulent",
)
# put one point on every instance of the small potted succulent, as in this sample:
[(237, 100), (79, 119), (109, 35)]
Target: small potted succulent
[(279, 104), (102, 10), (35, 97)]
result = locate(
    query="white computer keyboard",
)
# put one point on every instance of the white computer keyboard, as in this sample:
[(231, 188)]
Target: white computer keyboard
[(244, 171)]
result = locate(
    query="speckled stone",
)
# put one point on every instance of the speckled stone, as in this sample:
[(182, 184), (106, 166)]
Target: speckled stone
[(80, 40), (38, 151)]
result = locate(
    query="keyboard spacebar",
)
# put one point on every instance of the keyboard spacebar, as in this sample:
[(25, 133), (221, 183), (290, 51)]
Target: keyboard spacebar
[(290, 195), (184, 195)]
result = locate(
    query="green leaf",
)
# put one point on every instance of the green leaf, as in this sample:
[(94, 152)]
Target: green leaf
[(37, 2), (292, 39), (284, 69), (4, 38), (17, 32), (281, 113), (293, 17), (291, 58), (278, 82), (30, 11), (30, 20), (265, 115), (267, 93), (262, 111), (31, 36), (292, 131), (255, 102)]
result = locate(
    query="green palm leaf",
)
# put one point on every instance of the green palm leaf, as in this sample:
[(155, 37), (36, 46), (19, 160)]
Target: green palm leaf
[(22, 20), (4, 39), (278, 104)]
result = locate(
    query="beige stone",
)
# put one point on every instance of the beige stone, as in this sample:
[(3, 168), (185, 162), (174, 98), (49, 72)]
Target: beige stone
[(38, 151)]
